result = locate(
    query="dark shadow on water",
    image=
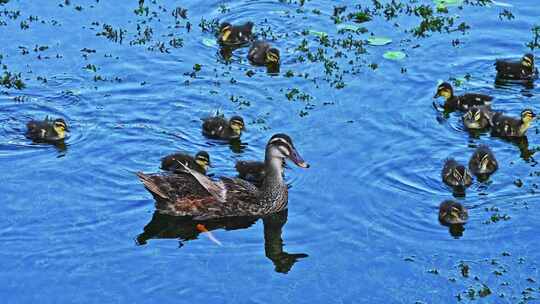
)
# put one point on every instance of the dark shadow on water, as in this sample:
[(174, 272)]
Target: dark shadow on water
[(185, 229), (522, 143)]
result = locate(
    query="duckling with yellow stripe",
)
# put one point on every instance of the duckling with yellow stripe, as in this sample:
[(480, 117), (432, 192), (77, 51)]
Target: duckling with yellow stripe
[(517, 70), (217, 127), (199, 163), (263, 54), (231, 35), (462, 102), (506, 126), (47, 129)]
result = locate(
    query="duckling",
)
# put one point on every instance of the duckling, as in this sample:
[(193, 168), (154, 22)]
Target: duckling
[(513, 70), (477, 117), (452, 213), (232, 35), (505, 126), (218, 127), (483, 162), (251, 171), (47, 129), (462, 102), (262, 53), (456, 176), (199, 163)]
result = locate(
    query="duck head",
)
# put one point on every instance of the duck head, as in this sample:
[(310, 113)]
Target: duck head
[(225, 30), (60, 127), (280, 146), (445, 90), (236, 123), (527, 62), (202, 158), (527, 116), (272, 56)]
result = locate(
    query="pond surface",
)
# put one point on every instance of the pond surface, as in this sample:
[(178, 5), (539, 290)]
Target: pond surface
[(133, 81)]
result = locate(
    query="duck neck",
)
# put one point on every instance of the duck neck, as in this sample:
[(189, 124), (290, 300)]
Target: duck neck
[(524, 126), (273, 190)]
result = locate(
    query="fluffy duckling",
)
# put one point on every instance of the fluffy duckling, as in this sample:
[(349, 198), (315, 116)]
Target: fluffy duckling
[(199, 163), (483, 162), (262, 53), (232, 35), (47, 130), (505, 126), (456, 176), (462, 102), (252, 171), (516, 70), (477, 117), (218, 127), (452, 213)]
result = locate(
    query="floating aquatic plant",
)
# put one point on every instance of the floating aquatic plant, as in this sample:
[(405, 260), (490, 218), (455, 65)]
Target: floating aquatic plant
[(394, 55), (378, 41)]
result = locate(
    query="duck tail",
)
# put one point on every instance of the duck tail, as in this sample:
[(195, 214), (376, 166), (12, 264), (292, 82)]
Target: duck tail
[(151, 185)]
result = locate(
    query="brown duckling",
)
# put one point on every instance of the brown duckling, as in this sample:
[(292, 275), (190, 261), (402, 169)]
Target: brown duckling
[(47, 129), (251, 171), (199, 163), (483, 162), (462, 102), (456, 176), (477, 117), (517, 70), (262, 53), (505, 126), (452, 213), (235, 35), (218, 127)]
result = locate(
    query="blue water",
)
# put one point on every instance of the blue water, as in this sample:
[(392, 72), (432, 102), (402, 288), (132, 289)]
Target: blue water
[(362, 221)]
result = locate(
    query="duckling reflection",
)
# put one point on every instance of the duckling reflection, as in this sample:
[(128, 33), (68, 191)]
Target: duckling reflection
[(522, 143), (185, 229), (237, 146)]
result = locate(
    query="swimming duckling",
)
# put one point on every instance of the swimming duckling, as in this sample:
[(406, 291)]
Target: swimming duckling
[(452, 213), (262, 53), (218, 127), (505, 126), (232, 35), (483, 162), (47, 130), (477, 117), (517, 70), (251, 171), (462, 102), (456, 176), (199, 163)]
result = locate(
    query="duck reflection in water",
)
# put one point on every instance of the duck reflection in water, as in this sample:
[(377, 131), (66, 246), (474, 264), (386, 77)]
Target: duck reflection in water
[(185, 229)]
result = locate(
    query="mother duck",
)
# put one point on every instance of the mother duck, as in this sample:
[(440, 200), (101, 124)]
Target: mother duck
[(193, 194)]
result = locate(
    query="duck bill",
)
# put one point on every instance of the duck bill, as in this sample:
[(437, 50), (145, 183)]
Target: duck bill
[(297, 159), (437, 95)]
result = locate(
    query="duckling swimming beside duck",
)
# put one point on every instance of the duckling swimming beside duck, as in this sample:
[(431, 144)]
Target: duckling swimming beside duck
[(477, 118), (463, 102), (517, 70), (199, 163), (251, 171), (217, 127), (235, 35), (452, 213), (510, 127), (47, 129), (262, 53), (483, 162), (456, 176)]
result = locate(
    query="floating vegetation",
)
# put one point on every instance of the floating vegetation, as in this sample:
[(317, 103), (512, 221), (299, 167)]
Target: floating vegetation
[(378, 41), (394, 55), (535, 42), (12, 80), (116, 35)]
